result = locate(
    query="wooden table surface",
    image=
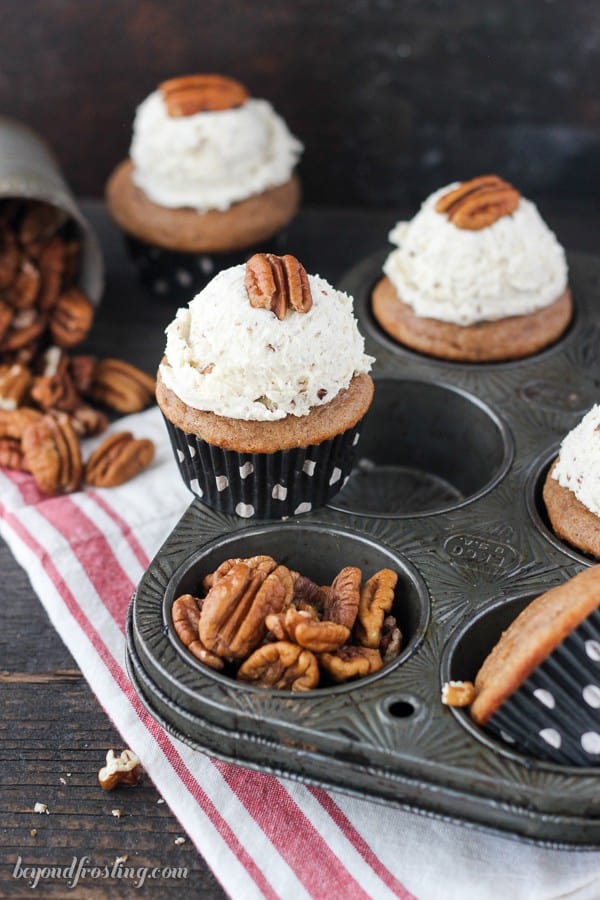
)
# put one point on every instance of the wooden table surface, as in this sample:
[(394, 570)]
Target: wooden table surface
[(54, 734)]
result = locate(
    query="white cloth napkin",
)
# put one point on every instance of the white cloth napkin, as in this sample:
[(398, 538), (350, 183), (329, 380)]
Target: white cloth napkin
[(263, 836)]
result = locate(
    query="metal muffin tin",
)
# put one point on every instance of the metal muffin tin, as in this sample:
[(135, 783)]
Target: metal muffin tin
[(447, 492)]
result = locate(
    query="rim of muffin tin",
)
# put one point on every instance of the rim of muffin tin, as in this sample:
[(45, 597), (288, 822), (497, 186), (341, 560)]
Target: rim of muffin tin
[(360, 281), (219, 545), (163, 709), (408, 789), (524, 475), (504, 436)]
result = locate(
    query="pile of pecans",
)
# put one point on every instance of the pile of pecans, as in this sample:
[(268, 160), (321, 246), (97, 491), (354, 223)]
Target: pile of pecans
[(272, 627), (50, 397)]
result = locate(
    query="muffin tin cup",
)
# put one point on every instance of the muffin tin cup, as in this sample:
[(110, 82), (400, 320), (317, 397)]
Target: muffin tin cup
[(466, 443), (28, 171), (264, 485), (176, 277), (554, 716), (318, 554), (425, 447)]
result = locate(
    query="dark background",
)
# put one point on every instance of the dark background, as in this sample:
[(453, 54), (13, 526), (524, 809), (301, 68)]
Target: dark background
[(391, 99)]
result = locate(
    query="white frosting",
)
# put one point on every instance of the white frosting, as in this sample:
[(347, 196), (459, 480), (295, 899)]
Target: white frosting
[(225, 356), (211, 159), (511, 268), (578, 466)]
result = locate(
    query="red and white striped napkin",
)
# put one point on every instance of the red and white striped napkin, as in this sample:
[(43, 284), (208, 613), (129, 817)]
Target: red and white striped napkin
[(263, 836)]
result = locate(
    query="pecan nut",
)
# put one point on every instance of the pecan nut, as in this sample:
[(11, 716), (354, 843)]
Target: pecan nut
[(342, 600), (390, 644), (351, 662), (277, 283), (51, 265), (282, 666), (480, 202), (87, 421), (275, 623), (52, 454), (10, 258), (14, 422), (307, 593), (81, 369), (186, 617), (124, 769), (71, 318), (376, 599), (39, 222), (303, 627), (119, 458), (55, 392), (11, 454), (15, 381), (6, 317), (23, 292), (262, 564), (121, 386), (26, 326), (234, 610), (458, 693), (191, 94)]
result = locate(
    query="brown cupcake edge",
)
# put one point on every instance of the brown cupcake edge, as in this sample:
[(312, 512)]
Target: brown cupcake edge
[(514, 337), (323, 422), (571, 520), (244, 224)]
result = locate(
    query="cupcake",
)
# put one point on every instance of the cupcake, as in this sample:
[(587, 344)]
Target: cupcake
[(210, 176), (539, 688), (263, 387), (572, 487), (477, 276)]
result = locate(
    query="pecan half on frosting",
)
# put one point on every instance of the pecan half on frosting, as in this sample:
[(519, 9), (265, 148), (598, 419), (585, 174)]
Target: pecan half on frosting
[(480, 202), (191, 94), (277, 283)]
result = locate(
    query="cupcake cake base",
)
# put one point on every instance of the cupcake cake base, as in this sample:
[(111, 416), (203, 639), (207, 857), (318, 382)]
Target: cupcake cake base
[(267, 469), (570, 519), (512, 338)]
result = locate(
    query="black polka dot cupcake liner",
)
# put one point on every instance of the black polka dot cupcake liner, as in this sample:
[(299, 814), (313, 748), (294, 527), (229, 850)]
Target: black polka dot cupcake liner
[(555, 714), (177, 277), (264, 485)]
